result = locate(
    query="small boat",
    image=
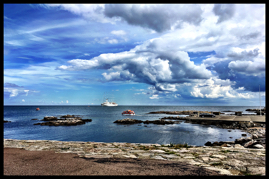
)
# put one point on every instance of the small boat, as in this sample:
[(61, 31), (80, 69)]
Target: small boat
[(37, 109), (128, 112)]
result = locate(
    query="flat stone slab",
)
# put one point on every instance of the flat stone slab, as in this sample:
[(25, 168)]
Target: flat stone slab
[(157, 151)]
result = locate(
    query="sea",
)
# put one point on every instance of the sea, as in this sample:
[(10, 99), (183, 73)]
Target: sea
[(102, 128)]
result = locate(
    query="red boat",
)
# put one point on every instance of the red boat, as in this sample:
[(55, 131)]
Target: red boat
[(37, 109), (128, 112)]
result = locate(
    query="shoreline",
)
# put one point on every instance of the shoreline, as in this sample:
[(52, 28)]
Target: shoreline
[(224, 160)]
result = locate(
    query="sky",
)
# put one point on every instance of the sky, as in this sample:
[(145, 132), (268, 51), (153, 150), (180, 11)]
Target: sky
[(134, 54)]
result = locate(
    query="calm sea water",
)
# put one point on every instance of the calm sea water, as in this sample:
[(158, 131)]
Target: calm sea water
[(102, 128)]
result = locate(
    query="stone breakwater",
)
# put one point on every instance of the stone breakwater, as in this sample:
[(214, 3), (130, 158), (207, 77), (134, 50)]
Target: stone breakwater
[(234, 160)]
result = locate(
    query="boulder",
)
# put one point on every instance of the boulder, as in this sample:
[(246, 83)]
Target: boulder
[(208, 143), (258, 146), (249, 144), (242, 140)]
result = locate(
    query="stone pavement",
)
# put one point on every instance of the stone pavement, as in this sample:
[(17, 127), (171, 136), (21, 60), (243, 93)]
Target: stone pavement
[(235, 160)]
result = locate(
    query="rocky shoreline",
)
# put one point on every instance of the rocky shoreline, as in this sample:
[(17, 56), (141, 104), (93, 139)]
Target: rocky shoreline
[(232, 160)]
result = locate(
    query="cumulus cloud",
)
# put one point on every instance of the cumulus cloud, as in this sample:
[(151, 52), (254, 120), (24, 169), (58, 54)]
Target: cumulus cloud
[(248, 67), (216, 88), (224, 11), (147, 63), (156, 17)]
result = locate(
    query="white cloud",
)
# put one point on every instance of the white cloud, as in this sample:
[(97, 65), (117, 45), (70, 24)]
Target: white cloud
[(241, 88), (112, 75), (88, 11), (23, 100), (66, 101), (197, 92), (26, 91), (118, 32), (245, 95), (216, 88), (13, 92), (113, 41), (155, 96), (255, 67)]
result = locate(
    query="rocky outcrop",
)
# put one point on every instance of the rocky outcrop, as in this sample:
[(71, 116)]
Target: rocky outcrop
[(243, 125), (189, 112), (257, 140), (134, 121), (67, 120), (258, 111), (161, 122), (49, 118), (128, 121), (5, 121)]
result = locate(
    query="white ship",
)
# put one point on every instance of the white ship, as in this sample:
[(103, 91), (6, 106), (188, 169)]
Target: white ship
[(107, 103)]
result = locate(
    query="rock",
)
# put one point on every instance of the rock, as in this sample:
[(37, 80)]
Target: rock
[(4, 121), (229, 130), (50, 118), (70, 117), (249, 144), (87, 120), (244, 134), (254, 136), (259, 146), (256, 170), (208, 143), (128, 121), (34, 119), (242, 140), (238, 146), (216, 144)]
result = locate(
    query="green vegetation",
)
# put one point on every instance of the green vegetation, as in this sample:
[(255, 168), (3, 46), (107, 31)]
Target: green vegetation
[(179, 146)]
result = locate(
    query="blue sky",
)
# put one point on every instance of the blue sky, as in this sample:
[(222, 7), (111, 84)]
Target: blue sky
[(141, 54)]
